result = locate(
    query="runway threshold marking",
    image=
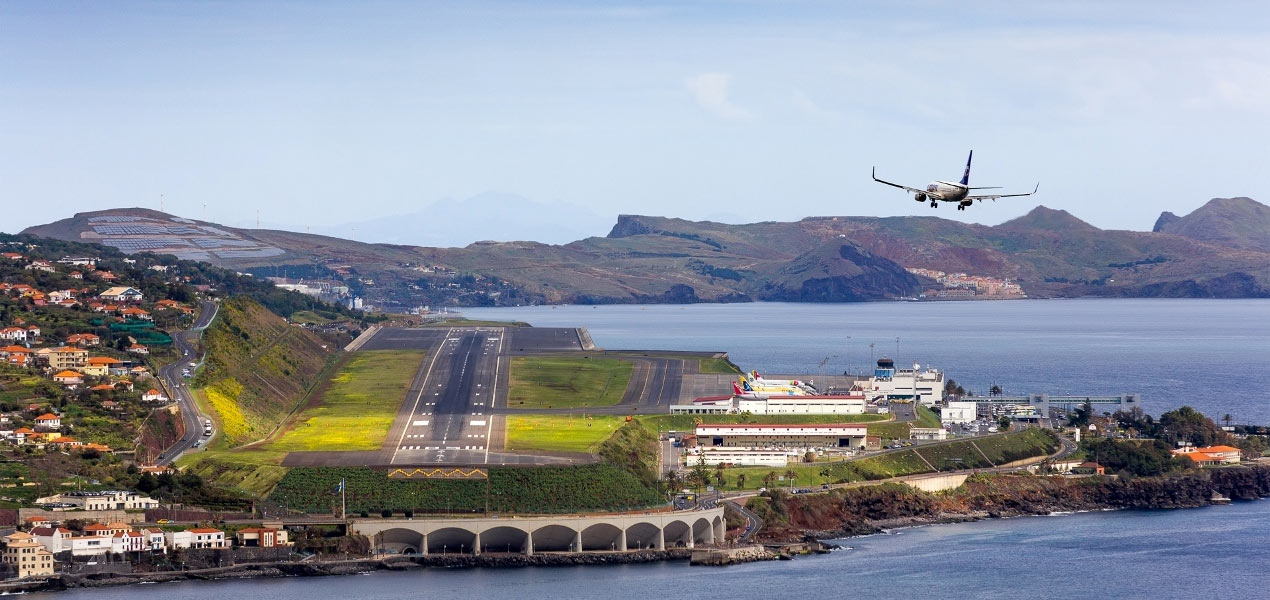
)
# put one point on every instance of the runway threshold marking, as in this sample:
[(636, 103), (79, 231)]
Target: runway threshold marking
[(415, 407)]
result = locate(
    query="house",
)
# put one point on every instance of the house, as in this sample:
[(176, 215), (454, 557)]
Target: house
[(129, 541), (13, 334), (21, 434), (27, 556), (48, 421), (138, 349), (166, 303), (70, 379), (153, 395), (41, 265), (12, 256), (66, 357), (262, 537), (133, 312), (121, 294), (99, 366), (1208, 456), (91, 545), (65, 442), (154, 540), (196, 538), (78, 261), (106, 276), (8, 351), (55, 539), (76, 275), (105, 529), (32, 332), (83, 340)]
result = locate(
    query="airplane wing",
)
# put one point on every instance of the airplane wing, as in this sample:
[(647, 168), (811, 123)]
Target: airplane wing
[(905, 187), (983, 197)]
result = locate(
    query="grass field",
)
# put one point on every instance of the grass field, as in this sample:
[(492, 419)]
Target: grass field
[(250, 472), (553, 382), (358, 408), (564, 433), (716, 366)]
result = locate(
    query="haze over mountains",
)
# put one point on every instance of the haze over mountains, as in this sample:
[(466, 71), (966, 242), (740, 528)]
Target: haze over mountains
[(1219, 250)]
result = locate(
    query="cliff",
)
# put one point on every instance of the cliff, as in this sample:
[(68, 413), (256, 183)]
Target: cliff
[(866, 510)]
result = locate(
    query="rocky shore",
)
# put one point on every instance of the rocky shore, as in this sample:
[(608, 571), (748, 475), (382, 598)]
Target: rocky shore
[(350, 567), (869, 510)]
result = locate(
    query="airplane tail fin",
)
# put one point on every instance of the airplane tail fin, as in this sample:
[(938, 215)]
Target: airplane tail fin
[(965, 177), (736, 389)]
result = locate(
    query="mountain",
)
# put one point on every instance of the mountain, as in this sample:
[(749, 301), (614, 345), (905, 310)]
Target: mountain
[(1050, 253), (1241, 223)]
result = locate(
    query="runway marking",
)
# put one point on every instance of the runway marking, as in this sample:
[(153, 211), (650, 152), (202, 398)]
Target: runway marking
[(420, 423), (476, 423), (493, 395), (415, 408)]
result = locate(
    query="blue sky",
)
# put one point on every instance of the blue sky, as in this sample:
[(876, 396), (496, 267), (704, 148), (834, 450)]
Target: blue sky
[(320, 114)]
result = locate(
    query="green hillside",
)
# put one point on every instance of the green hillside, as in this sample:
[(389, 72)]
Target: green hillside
[(259, 368)]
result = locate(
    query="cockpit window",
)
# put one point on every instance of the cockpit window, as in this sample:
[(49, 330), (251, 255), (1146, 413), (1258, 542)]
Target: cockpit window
[(932, 188)]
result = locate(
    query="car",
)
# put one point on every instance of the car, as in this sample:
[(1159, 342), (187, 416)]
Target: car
[(198, 443), (163, 521)]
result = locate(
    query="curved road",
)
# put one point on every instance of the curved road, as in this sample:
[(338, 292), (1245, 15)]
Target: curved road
[(170, 375)]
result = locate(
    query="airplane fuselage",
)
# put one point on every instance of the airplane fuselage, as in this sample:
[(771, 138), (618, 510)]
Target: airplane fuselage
[(946, 192)]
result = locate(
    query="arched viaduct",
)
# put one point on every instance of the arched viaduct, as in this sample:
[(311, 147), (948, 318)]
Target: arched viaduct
[(622, 532)]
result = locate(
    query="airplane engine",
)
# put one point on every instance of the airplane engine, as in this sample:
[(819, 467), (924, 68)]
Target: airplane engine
[(963, 204), (920, 197)]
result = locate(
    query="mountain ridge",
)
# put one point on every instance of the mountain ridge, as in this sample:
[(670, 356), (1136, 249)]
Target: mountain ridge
[(1050, 252)]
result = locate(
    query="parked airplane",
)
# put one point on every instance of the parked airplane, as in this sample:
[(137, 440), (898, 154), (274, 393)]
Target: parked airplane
[(947, 191)]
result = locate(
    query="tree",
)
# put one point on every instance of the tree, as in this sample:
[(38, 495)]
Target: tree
[(770, 478), (740, 481), (1227, 419), (718, 474), (700, 476), (995, 390), (791, 474), (1004, 422)]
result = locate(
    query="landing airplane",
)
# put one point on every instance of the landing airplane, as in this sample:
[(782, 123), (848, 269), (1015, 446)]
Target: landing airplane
[(947, 191)]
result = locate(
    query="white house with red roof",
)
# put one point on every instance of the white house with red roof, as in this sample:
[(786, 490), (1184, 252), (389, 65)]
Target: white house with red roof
[(48, 421)]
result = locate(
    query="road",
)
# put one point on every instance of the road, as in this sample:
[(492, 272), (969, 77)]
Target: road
[(185, 342)]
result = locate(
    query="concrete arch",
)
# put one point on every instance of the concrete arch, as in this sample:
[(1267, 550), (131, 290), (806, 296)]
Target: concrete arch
[(554, 538), (678, 534), (703, 531), (603, 536), (451, 540), (644, 535), (504, 539), (399, 541)]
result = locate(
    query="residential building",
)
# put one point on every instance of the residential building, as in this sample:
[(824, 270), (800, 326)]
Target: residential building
[(84, 340), (55, 539), (153, 395), (138, 349), (70, 379), (91, 545), (129, 541), (1210, 455), (13, 334), (48, 421), (99, 366), (67, 358), (196, 538), (121, 294), (133, 312), (262, 537), (27, 555)]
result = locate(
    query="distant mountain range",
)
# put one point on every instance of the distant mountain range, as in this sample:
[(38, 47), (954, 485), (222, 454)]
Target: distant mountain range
[(1220, 250)]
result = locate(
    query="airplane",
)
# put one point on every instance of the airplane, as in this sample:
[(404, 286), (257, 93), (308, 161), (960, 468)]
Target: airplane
[(947, 191)]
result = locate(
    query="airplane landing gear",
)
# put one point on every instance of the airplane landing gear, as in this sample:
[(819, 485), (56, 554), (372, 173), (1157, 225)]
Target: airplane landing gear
[(934, 204)]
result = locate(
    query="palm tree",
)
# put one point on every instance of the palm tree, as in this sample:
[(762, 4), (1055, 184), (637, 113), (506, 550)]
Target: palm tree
[(791, 474), (1227, 419), (769, 478), (718, 475), (740, 481)]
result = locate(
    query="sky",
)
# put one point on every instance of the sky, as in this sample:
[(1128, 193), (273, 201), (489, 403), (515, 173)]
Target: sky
[(323, 114)]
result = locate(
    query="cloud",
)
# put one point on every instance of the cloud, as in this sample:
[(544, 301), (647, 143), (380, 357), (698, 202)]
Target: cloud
[(711, 92)]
